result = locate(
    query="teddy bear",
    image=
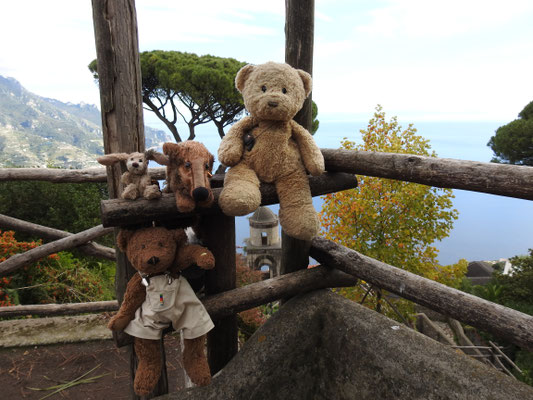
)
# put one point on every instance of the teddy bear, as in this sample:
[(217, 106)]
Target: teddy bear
[(136, 180), (269, 146), (157, 297), (189, 166)]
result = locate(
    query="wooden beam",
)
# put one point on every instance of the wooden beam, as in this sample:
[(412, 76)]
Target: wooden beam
[(256, 294), (501, 179), (119, 78), (219, 305), (119, 212), (48, 310), (218, 234), (299, 38), (19, 260), (18, 225), (65, 175), (511, 325)]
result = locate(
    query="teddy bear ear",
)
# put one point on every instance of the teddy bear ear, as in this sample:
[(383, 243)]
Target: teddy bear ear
[(123, 238), (179, 235), (242, 76), (307, 81), (171, 149)]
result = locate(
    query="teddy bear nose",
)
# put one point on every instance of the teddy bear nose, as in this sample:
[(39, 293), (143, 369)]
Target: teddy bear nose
[(134, 165), (273, 103), (200, 194), (153, 261)]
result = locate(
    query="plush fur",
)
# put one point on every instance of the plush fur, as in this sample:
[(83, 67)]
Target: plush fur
[(189, 166), (282, 152), (173, 254), (136, 181)]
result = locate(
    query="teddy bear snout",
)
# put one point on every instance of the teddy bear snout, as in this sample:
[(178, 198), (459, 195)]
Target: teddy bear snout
[(135, 165), (153, 260), (273, 103), (200, 194)]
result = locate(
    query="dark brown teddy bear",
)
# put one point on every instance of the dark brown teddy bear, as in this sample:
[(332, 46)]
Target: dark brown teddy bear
[(157, 297)]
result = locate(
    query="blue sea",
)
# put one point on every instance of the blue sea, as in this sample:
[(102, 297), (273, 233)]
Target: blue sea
[(489, 227)]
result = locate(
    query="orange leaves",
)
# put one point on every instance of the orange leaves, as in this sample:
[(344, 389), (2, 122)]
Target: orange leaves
[(393, 221)]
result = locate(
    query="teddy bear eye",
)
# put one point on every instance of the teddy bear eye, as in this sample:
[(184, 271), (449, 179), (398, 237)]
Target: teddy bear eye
[(264, 88), (207, 166), (160, 244), (187, 164), (140, 160), (284, 91), (142, 246)]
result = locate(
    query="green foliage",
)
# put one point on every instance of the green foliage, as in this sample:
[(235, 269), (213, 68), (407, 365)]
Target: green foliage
[(204, 84), (513, 142), (316, 122), (389, 220), (72, 207), (58, 278)]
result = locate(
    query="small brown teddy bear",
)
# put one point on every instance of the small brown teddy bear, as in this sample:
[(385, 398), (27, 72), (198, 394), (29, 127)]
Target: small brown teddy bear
[(269, 146), (157, 297), (136, 180), (189, 165)]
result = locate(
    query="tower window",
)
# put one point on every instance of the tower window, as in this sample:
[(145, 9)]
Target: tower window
[(264, 238)]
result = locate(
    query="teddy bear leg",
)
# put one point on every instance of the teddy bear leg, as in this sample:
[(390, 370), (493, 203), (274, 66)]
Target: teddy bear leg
[(240, 195), (149, 366), (297, 215), (195, 361), (130, 192)]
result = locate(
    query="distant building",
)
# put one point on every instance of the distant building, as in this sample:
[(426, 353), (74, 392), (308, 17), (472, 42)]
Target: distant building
[(479, 272), (263, 247)]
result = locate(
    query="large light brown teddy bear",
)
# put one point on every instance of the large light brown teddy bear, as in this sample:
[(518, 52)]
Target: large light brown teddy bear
[(157, 297), (269, 146)]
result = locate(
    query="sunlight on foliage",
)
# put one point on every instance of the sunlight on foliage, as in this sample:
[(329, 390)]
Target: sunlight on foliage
[(393, 221)]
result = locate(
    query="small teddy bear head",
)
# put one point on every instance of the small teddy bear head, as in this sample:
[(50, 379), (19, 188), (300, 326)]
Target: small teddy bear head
[(136, 163), (151, 250), (273, 91)]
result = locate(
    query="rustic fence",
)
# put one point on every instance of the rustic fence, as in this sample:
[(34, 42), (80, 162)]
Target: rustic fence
[(119, 78)]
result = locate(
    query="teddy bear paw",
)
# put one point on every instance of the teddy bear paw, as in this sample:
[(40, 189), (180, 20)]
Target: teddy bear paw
[(206, 260)]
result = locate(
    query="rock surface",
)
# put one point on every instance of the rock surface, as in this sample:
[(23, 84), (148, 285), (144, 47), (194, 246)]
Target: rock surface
[(39, 331), (322, 346)]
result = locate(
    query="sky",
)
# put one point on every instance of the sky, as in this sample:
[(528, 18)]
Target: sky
[(421, 60), (463, 63)]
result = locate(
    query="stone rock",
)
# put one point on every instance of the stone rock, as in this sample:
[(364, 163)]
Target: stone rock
[(322, 346)]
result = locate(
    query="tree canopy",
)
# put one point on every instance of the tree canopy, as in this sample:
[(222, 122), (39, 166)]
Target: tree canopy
[(203, 84), (513, 142), (393, 221)]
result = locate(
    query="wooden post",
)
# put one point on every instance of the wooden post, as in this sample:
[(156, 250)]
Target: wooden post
[(119, 72), (218, 234), (299, 34)]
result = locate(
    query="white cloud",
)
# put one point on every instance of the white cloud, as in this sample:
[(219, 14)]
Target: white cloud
[(422, 18)]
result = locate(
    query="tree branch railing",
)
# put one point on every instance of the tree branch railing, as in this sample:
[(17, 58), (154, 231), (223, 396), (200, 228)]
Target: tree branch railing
[(499, 179), (219, 305), (89, 249), (503, 322), (19, 260)]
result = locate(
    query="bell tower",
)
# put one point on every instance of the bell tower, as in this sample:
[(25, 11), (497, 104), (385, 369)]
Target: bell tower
[(263, 247)]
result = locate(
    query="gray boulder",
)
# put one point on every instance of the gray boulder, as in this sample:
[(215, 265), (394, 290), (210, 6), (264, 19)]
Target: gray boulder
[(322, 346)]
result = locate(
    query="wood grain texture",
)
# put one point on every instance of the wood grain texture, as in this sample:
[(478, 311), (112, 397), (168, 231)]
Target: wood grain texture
[(500, 179)]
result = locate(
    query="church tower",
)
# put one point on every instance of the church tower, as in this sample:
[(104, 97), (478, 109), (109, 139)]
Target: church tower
[(263, 247)]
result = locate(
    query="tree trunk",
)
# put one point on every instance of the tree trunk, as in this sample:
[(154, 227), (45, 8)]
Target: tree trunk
[(119, 71), (299, 36)]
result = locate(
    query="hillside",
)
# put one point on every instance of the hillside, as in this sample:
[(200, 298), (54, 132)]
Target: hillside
[(37, 131)]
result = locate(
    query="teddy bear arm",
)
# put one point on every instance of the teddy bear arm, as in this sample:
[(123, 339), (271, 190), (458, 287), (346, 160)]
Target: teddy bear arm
[(231, 148), (312, 157), (194, 254), (133, 299), (125, 178)]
